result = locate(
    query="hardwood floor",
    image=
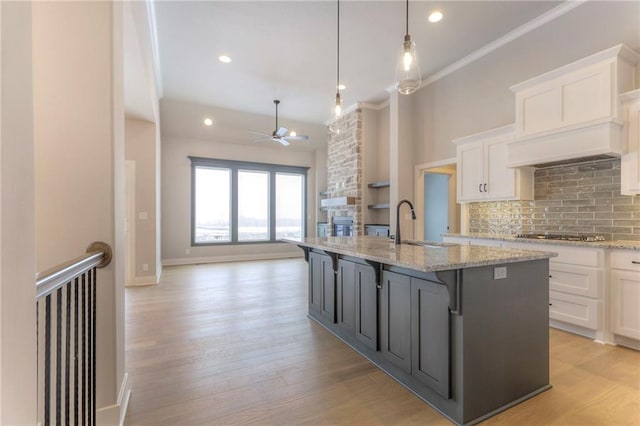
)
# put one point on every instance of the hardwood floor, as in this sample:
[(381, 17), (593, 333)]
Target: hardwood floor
[(231, 344)]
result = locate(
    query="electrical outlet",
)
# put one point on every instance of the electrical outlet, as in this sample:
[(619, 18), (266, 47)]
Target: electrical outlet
[(500, 273), (145, 267), (143, 215), (187, 251)]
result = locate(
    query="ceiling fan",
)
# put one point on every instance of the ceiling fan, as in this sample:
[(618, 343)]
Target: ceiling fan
[(280, 134)]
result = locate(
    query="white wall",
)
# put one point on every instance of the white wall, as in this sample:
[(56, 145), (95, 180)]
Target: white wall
[(140, 146), (17, 223), (183, 134), (79, 157), (320, 155), (401, 159), (477, 97)]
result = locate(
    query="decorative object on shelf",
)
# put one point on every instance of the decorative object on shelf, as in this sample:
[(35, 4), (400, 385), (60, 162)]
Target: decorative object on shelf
[(408, 75), (336, 127), (280, 133)]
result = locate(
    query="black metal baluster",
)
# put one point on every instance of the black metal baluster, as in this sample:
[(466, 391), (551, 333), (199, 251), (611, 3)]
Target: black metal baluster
[(47, 360), (90, 347), (38, 356), (58, 355), (95, 312), (84, 350), (67, 360), (75, 353)]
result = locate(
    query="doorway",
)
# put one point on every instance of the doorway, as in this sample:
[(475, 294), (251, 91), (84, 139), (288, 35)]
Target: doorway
[(436, 203)]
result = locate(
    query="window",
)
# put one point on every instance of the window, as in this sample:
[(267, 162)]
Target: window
[(253, 206), (289, 206), (236, 202), (212, 221)]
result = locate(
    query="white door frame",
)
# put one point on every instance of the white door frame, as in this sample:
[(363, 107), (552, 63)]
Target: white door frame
[(130, 227)]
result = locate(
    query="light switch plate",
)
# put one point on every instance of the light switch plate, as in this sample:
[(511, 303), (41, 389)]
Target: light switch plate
[(500, 273)]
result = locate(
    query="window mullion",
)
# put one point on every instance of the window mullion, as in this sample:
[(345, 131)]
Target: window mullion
[(272, 206), (234, 205)]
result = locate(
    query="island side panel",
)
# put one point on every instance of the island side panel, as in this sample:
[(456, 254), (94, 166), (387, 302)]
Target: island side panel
[(505, 335)]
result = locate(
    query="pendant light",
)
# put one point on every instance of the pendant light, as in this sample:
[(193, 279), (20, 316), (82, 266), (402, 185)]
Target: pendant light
[(408, 75), (334, 127)]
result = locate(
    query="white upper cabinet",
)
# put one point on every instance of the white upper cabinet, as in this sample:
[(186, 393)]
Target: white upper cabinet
[(630, 161), (572, 111), (482, 171)]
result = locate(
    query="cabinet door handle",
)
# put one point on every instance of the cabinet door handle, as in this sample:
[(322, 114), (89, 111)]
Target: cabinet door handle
[(485, 187), (480, 188), (635, 262)]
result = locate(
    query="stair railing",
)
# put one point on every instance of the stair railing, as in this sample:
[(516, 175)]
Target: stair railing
[(66, 334)]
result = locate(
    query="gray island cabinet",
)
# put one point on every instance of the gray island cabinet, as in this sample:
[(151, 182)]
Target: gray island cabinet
[(465, 328)]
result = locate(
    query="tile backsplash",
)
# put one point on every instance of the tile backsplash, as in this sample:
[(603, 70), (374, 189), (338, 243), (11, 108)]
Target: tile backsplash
[(572, 198)]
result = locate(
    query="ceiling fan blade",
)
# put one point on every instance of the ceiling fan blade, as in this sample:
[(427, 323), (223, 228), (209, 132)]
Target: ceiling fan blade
[(296, 138), (281, 131), (262, 139), (259, 133), (283, 141)]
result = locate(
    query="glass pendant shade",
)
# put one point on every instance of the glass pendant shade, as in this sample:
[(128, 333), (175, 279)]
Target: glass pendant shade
[(408, 74), (337, 109), (337, 127)]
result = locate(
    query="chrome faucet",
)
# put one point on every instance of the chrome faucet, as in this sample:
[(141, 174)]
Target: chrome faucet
[(398, 239)]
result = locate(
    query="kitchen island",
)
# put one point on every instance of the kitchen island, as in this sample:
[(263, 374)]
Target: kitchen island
[(465, 328)]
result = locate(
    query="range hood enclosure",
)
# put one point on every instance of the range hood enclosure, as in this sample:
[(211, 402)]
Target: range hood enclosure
[(573, 112)]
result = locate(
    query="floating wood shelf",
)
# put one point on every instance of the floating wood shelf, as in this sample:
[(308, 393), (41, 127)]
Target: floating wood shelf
[(338, 201), (379, 206), (381, 184)]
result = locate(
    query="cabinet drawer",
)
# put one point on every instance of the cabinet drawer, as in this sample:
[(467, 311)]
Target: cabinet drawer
[(576, 310), (578, 280), (623, 259)]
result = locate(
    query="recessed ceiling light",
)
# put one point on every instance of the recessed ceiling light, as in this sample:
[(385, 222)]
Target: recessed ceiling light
[(341, 87), (208, 122), (292, 133), (225, 59), (435, 16)]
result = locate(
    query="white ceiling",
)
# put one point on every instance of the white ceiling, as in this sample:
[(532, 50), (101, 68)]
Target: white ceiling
[(287, 50)]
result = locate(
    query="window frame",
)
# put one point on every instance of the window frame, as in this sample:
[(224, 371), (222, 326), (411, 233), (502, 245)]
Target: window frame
[(234, 166)]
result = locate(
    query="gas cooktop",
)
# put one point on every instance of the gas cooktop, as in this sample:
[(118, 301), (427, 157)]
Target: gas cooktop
[(563, 237)]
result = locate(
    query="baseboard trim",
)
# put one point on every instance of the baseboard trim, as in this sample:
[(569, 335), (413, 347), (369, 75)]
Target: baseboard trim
[(144, 280), (115, 414), (232, 258)]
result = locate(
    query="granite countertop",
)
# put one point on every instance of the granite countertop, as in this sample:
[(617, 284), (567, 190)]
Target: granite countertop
[(437, 257), (616, 244)]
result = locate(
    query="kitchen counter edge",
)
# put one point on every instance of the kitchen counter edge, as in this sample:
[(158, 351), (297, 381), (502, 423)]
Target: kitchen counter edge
[(418, 258)]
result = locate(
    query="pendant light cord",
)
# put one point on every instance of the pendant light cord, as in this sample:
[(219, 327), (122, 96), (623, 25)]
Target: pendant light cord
[(407, 20), (338, 54)]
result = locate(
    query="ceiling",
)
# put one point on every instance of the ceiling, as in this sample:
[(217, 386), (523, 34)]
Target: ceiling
[(287, 50)]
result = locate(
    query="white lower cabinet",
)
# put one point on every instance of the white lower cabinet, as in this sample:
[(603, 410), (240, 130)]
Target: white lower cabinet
[(625, 293), (576, 281), (577, 310)]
